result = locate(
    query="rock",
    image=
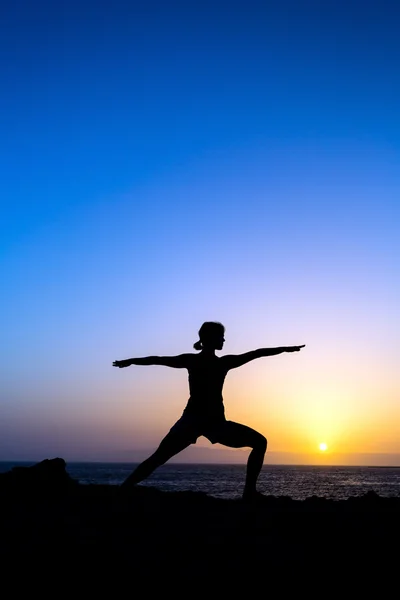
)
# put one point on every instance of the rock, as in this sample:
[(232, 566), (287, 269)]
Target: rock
[(159, 535), (47, 475)]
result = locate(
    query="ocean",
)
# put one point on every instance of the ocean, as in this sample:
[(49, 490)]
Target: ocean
[(227, 481)]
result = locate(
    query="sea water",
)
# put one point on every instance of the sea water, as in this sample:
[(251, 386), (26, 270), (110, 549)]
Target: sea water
[(227, 481)]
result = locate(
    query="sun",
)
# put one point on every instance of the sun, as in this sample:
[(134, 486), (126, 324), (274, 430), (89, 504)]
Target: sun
[(323, 447)]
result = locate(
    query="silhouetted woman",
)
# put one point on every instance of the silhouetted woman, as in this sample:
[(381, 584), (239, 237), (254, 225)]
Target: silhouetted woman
[(204, 413)]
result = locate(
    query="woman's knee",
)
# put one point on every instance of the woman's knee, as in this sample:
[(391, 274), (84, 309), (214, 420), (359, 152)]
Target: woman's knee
[(261, 443)]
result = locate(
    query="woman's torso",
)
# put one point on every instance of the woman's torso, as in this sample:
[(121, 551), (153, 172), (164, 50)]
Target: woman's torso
[(206, 379)]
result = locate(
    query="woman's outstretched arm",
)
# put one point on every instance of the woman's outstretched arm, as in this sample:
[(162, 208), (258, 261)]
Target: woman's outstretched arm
[(237, 360), (178, 362)]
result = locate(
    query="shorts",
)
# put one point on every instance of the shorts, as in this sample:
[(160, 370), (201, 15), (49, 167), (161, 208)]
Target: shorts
[(190, 428)]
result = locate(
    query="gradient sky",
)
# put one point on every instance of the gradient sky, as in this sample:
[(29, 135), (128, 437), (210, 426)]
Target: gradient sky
[(167, 163)]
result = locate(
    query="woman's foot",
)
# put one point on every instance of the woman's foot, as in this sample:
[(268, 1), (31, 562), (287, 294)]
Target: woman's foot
[(251, 496)]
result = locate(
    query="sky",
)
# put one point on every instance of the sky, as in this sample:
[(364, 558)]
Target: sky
[(168, 163)]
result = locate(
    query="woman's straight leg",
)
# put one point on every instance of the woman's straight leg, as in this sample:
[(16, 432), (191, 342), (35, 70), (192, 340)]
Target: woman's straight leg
[(171, 445)]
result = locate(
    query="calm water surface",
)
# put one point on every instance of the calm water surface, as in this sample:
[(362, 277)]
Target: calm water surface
[(227, 481)]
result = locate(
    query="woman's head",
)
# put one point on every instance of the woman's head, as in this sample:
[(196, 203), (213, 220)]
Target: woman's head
[(211, 335)]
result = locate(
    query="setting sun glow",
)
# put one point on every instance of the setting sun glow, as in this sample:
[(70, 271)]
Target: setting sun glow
[(297, 205)]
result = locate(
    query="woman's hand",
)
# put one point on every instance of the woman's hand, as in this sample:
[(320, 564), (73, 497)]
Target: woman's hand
[(294, 348), (122, 363)]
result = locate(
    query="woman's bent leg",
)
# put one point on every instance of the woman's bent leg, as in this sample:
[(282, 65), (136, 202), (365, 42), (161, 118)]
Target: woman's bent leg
[(236, 435)]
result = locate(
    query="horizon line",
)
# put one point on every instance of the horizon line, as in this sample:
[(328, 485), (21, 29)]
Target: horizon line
[(205, 464)]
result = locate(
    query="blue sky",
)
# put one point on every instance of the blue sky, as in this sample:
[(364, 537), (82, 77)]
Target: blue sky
[(169, 163)]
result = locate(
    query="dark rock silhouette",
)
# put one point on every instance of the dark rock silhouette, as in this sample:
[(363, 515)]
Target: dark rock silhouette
[(47, 516), (49, 475)]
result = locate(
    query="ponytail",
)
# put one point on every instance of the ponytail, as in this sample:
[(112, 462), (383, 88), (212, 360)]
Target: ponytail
[(198, 345)]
